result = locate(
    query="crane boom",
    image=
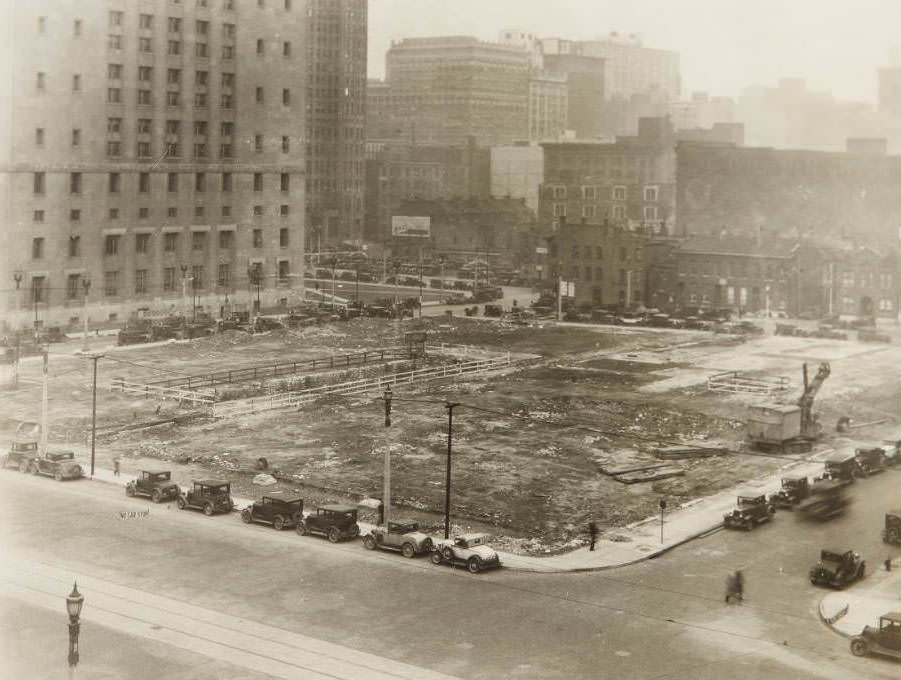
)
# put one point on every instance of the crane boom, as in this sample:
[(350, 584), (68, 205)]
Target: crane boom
[(805, 401)]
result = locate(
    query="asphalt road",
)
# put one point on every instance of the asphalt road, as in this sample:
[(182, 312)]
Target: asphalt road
[(660, 619)]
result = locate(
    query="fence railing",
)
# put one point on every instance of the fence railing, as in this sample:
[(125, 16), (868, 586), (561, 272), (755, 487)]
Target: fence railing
[(149, 391), (294, 399), (239, 375), (734, 381)]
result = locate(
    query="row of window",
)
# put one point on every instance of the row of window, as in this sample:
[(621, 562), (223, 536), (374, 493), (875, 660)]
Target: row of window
[(617, 212), (39, 216), (650, 193), (112, 243), (850, 279), (587, 252), (114, 182), (173, 97)]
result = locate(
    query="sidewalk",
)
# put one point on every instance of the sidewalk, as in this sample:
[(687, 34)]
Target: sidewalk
[(847, 611), (636, 542)]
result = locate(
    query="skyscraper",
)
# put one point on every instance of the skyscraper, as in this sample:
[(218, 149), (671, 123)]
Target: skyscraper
[(157, 151), (335, 114)]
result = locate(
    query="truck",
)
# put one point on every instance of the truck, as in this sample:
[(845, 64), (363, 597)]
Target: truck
[(827, 500), (788, 428)]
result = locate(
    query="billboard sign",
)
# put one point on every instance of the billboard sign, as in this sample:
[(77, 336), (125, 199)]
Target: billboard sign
[(419, 227)]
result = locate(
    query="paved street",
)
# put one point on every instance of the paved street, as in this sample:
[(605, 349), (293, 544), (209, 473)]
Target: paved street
[(303, 601)]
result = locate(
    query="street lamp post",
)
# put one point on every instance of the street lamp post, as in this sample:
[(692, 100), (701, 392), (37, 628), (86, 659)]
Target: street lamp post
[(357, 290), (396, 267), (450, 406), (17, 277), (441, 262), (184, 291), (386, 491), (85, 289), (74, 603), (334, 263), (95, 358), (420, 283)]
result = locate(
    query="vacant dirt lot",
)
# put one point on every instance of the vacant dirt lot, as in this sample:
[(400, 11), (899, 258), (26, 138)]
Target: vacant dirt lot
[(532, 447)]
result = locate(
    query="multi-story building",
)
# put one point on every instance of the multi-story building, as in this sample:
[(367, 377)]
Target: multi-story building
[(890, 91), (822, 194), (585, 84), (605, 263), (451, 88), (631, 68), (404, 172), (156, 148), (379, 120), (630, 183), (517, 171), (335, 116), (548, 105)]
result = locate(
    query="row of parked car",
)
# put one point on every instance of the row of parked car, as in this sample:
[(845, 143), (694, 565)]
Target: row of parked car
[(336, 522)]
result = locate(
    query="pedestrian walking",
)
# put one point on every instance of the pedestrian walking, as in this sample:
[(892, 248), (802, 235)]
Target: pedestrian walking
[(888, 563), (115, 467), (592, 535)]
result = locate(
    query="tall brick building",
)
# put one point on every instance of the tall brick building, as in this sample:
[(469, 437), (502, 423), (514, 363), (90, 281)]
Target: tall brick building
[(156, 145), (335, 116)]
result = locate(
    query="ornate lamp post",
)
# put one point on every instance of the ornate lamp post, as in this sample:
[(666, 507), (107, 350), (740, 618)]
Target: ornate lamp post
[(74, 603), (86, 288)]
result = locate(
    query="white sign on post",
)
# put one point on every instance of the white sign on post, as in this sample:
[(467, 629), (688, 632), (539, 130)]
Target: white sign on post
[(419, 227)]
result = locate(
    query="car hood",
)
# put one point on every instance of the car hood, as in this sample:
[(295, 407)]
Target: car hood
[(484, 552), (70, 468), (166, 486), (417, 536)]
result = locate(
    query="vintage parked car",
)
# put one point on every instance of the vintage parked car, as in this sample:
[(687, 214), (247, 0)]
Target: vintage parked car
[(885, 640), (57, 464), (157, 484), (892, 531), (749, 512), (332, 521), (403, 536), (827, 500), (469, 549), (282, 512), (870, 461), (134, 336), (209, 495), (841, 466), (20, 455), (837, 569), (866, 335), (795, 488)]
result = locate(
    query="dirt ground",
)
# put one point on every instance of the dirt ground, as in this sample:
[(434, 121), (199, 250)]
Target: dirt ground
[(532, 445)]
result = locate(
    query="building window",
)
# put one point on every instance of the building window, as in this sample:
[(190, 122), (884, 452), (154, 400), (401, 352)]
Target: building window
[(260, 46), (650, 194), (145, 74), (283, 238), (142, 243), (113, 149), (38, 216), (284, 270), (202, 27), (590, 193), (169, 278), (286, 48), (885, 305), (76, 137), (226, 240), (197, 276), (258, 210), (37, 248), (114, 71), (598, 253), (174, 47), (75, 215), (143, 213), (199, 211), (174, 25), (170, 242), (140, 281), (145, 21), (201, 50), (111, 283), (200, 182), (650, 212), (286, 144), (145, 44), (114, 42), (145, 98), (39, 181), (259, 95), (257, 238), (228, 52), (114, 182), (283, 210), (559, 209), (619, 212), (76, 83), (559, 192), (172, 182), (200, 100), (41, 81), (258, 143), (257, 181), (172, 212), (226, 211), (285, 182), (115, 18), (111, 244), (223, 274), (144, 182), (37, 289), (198, 240), (286, 97), (143, 150), (225, 150), (114, 95), (173, 98), (73, 284), (114, 125), (619, 193), (588, 211), (173, 76), (226, 182), (75, 183), (74, 246), (39, 136)]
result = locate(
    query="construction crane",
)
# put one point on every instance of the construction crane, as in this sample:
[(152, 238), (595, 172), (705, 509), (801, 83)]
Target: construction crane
[(788, 428)]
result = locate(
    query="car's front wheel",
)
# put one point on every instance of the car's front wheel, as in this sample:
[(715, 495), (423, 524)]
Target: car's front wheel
[(369, 542), (23, 466), (278, 523), (156, 496), (58, 476), (861, 571), (893, 536), (474, 565), (246, 516), (301, 528), (129, 490), (436, 557), (207, 509), (407, 550), (181, 503), (33, 468), (334, 535), (859, 647), (448, 554)]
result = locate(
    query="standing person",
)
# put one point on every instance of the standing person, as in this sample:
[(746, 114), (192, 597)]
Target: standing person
[(592, 534), (116, 466)]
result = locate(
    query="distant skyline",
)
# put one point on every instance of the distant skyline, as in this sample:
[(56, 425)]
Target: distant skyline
[(725, 45)]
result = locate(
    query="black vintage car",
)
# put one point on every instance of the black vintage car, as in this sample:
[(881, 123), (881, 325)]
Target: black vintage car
[(870, 461), (749, 512), (282, 512), (333, 521), (209, 495), (795, 488), (892, 531), (841, 466), (157, 484), (20, 455), (885, 640), (57, 464), (837, 569)]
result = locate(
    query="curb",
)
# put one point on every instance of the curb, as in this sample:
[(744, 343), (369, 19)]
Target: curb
[(830, 620)]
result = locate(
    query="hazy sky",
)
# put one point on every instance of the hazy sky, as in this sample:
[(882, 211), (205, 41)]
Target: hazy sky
[(725, 45)]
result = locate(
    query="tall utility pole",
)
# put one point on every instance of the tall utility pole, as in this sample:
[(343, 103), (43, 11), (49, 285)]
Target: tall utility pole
[(386, 491), (44, 415), (85, 287), (420, 282), (94, 358), (559, 297), (334, 264), (441, 262), (17, 277), (450, 406), (184, 291)]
